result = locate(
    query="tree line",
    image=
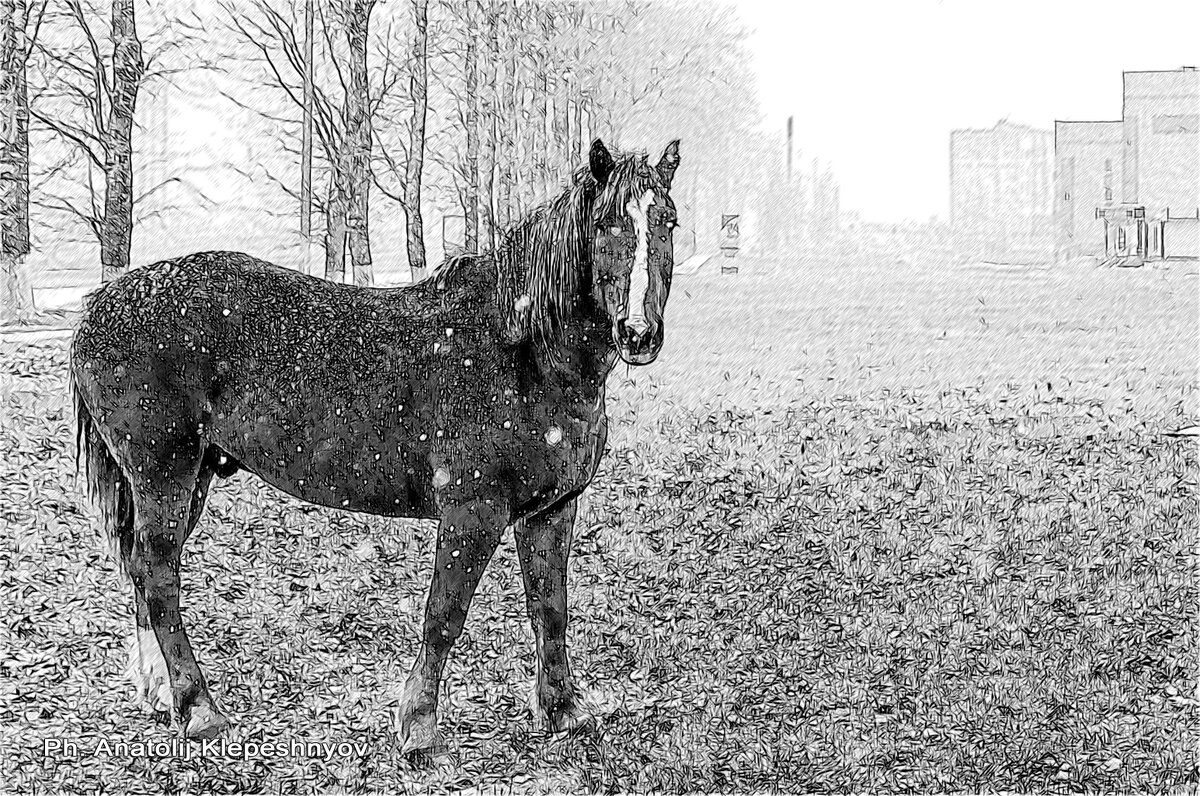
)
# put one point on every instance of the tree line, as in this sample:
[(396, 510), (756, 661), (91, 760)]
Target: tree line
[(484, 104)]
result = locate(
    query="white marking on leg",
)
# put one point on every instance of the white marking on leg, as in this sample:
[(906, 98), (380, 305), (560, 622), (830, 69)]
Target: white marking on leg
[(535, 702), (148, 670), (639, 277)]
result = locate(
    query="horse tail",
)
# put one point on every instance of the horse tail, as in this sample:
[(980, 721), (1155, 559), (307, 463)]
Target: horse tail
[(107, 484)]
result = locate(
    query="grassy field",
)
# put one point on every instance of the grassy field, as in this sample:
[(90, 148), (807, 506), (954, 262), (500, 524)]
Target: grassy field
[(873, 530)]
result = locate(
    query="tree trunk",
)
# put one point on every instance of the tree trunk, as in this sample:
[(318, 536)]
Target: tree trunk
[(549, 129), (358, 143), (418, 88), (578, 139), (586, 133), (16, 298), (491, 128), (544, 110), (545, 95), (559, 89), (116, 230), (338, 207), (471, 194), (508, 121), (306, 133), (562, 120), (525, 171)]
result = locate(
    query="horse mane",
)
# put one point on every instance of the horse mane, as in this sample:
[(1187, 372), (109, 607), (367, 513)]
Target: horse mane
[(543, 263)]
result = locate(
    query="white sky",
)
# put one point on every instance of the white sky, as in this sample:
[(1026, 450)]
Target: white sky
[(876, 87)]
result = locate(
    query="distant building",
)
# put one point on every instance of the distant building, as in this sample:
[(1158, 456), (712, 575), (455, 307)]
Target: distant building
[(1087, 176), (1001, 180), (1129, 190)]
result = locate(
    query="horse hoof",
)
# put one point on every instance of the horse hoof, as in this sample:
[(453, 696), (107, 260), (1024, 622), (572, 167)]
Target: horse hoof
[(436, 759), (419, 737), (205, 723), (569, 716), (570, 720)]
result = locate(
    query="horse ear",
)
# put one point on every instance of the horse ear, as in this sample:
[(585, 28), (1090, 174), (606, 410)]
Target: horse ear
[(668, 162), (600, 162)]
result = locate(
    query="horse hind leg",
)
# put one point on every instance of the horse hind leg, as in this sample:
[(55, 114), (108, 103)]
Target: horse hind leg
[(110, 489), (174, 500), (147, 668)]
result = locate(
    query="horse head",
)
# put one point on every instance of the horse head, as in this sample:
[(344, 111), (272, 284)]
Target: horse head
[(632, 254)]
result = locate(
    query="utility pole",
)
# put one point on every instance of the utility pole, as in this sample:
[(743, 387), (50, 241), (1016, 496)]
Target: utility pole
[(788, 223), (789, 149), (306, 140)]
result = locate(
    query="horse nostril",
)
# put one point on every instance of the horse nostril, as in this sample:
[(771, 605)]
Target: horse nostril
[(636, 337)]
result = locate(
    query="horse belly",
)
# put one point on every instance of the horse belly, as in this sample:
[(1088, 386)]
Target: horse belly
[(337, 471), (399, 497)]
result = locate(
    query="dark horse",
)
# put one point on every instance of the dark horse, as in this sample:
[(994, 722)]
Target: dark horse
[(475, 397)]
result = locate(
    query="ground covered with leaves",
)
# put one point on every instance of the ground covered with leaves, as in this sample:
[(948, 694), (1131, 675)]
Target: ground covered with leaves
[(919, 588)]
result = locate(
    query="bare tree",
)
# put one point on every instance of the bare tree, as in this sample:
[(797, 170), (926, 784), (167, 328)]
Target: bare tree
[(116, 232), (419, 90), (404, 152), (357, 15), (535, 60), (16, 295), (508, 134), (491, 124), (306, 196), (471, 121), (482, 79), (88, 101), (490, 112), (334, 82)]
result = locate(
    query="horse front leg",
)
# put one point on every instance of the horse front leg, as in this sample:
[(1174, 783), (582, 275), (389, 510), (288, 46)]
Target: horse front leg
[(544, 548), (467, 538)]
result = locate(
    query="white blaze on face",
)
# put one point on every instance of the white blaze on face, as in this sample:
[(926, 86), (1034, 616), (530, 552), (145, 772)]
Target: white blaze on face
[(639, 277)]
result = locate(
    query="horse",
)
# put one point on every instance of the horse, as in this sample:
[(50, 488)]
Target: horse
[(475, 397)]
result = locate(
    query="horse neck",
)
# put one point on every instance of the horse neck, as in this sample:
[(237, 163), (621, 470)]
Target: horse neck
[(583, 357), (581, 354)]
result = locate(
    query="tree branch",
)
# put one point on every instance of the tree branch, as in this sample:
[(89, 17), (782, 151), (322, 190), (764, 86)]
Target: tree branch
[(98, 75), (73, 134), (37, 27), (62, 205)]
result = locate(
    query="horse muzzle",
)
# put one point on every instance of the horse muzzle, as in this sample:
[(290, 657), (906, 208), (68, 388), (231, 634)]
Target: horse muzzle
[(637, 344)]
